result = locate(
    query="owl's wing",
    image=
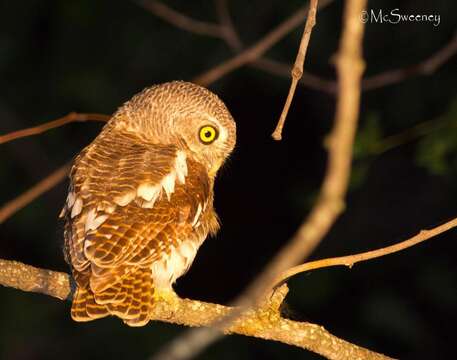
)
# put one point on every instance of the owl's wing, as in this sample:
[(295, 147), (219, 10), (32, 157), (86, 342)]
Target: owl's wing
[(128, 202)]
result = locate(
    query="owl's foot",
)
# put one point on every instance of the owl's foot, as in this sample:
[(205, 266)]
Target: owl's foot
[(167, 299)]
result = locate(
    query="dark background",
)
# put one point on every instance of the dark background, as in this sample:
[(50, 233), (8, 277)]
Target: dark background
[(91, 56)]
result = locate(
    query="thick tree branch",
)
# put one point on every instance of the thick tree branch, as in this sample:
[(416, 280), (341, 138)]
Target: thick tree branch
[(297, 69), (264, 322), (28, 278)]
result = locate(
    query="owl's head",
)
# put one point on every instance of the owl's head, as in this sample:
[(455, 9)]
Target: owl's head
[(184, 114)]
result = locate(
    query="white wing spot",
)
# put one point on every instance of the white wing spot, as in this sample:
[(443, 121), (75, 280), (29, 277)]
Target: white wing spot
[(71, 199), (108, 208), (63, 212), (197, 215), (168, 183), (148, 192), (179, 172), (93, 221), (149, 204), (77, 207), (125, 199), (181, 166)]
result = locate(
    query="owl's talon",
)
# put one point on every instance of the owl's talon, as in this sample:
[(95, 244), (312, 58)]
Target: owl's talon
[(168, 299)]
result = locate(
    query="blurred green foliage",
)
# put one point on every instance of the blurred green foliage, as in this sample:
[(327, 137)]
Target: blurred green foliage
[(437, 151)]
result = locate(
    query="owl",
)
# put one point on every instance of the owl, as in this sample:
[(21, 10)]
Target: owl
[(140, 200)]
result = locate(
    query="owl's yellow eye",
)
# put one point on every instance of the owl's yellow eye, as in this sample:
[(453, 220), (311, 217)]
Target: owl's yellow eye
[(208, 134)]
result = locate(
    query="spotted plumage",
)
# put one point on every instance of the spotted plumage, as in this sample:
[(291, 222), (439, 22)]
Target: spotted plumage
[(140, 200)]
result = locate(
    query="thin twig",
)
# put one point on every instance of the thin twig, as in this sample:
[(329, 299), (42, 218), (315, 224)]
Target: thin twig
[(13, 206), (426, 67), (264, 322), (226, 26), (223, 30), (350, 260), (180, 20), (330, 204), (309, 80), (407, 135), (226, 31), (386, 78), (258, 49), (71, 117), (389, 77), (297, 69)]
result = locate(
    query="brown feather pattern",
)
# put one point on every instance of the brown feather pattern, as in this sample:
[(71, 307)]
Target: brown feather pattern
[(112, 264), (137, 211)]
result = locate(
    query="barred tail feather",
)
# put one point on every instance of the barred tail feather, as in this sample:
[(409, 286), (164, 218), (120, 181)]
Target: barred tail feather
[(129, 299), (85, 308), (142, 300)]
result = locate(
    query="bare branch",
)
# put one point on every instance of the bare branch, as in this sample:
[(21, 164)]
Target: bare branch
[(28, 278), (226, 26), (437, 60), (71, 117), (13, 206), (265, 322), (258, 49), (386, 78), (226, 32), (180, 20), (405, 136), (330, 204), (350, 260), (281, 69), (297, 70), (426, 67)]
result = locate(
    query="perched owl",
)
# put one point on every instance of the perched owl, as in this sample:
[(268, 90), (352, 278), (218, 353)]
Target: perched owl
[(140, 199)]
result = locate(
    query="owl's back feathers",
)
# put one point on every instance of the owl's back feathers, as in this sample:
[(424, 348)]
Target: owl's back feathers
[(135, 216)]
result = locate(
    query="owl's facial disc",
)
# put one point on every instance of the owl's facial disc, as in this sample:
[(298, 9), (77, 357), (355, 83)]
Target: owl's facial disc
[(207, 138)]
